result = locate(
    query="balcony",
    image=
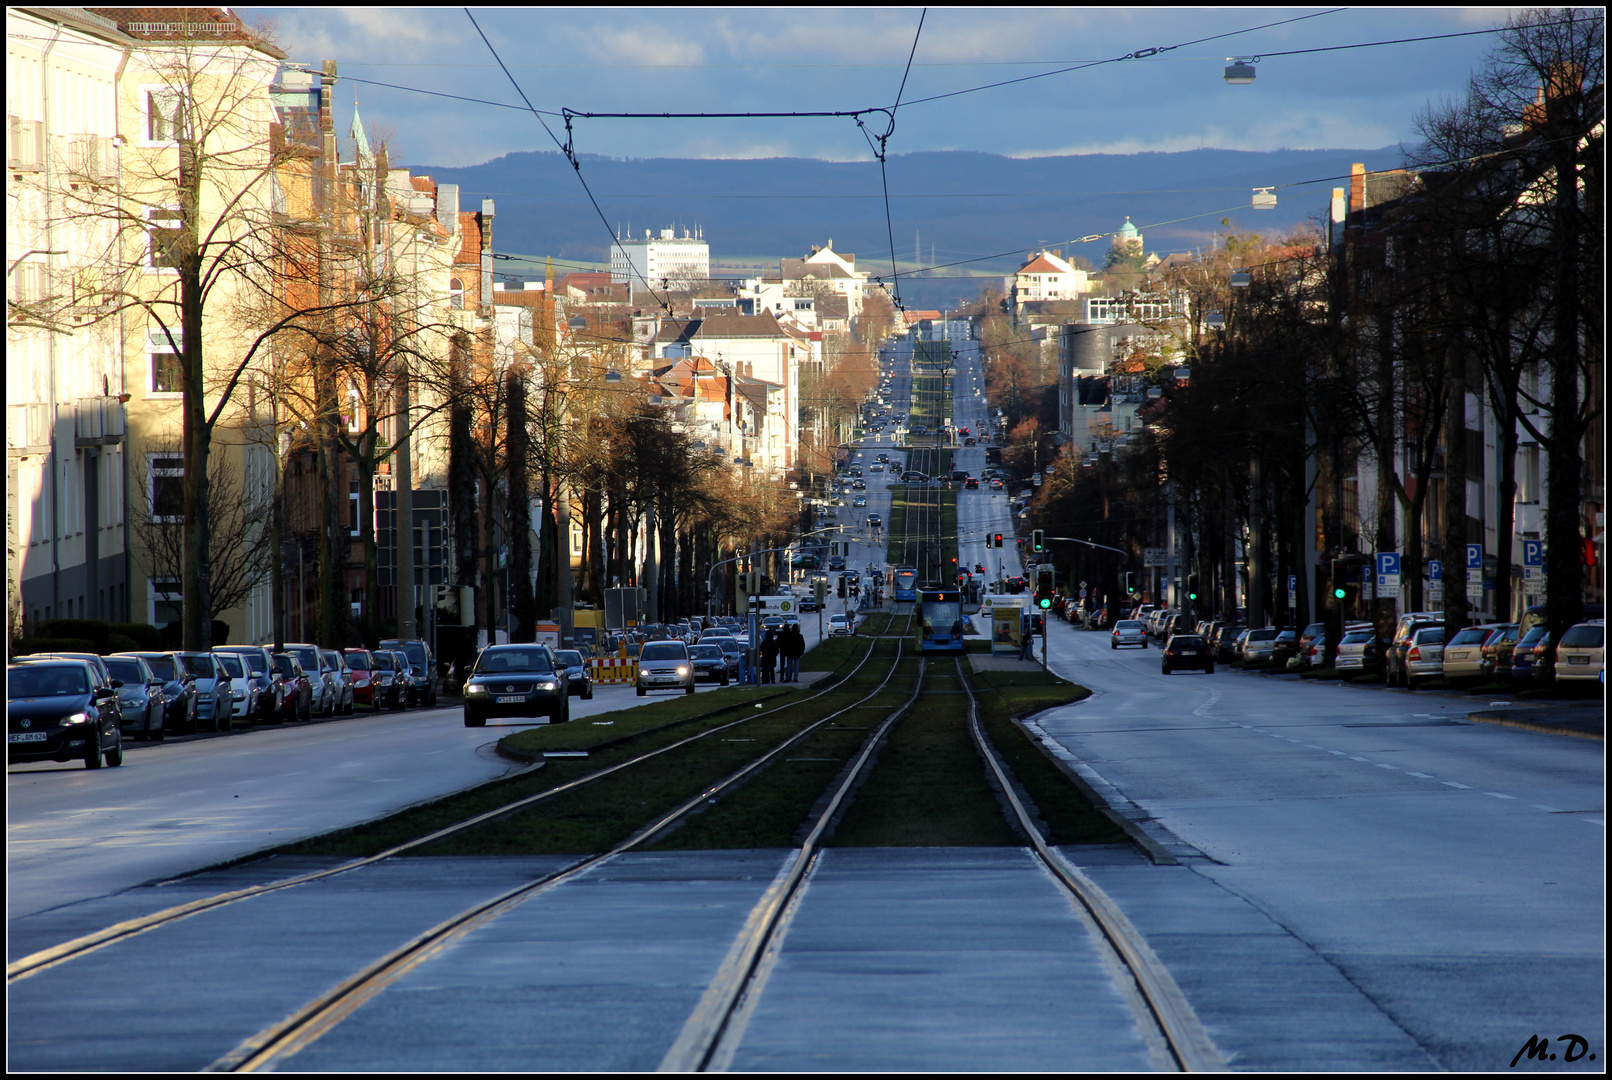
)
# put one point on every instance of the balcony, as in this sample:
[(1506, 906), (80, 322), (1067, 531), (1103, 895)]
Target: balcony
[(98, 421), (28, 429)]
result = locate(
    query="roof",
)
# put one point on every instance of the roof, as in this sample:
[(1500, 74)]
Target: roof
[(796, 269), (720, 323), (164, 24), (1045, 263)]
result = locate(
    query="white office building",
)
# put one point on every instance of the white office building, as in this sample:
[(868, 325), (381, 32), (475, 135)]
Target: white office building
[(656, 259)]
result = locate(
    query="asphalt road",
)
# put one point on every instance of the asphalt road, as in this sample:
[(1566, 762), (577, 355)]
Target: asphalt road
[(1367, 880)]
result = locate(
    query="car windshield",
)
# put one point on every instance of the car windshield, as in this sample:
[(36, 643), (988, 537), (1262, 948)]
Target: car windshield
[(1584, 637), (29, 681), (494, 661), (706, 652), (663, 651), (231, 663), (358, 661), (163, 666), (1127, 624), (1433, 635), (382, 661), (1186, 641), (569, 657), (1470, 636), (199, 665), (1261, 635), (1359, 637), (253, 660), (1533, 635), (127, 670), (285, 665)]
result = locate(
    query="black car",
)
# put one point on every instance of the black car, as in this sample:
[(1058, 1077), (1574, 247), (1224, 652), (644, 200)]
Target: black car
[(516, 680), (99, 673), (1188, 651), (576, 673), (422, 674), (265, 677), (389, 679), (57, 710)]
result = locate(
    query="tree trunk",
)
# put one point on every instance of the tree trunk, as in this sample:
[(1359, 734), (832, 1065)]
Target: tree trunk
[(523, 602), (1455, 537)]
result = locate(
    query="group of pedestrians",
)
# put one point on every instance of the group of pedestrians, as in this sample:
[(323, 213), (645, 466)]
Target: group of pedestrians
[(788, 647)]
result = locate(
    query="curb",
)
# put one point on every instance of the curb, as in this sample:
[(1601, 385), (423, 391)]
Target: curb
[(1503, 720)]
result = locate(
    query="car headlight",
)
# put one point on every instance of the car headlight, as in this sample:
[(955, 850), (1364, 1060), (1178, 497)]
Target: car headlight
[(475, 688), (682, 671), (78, 718), (551, 685)]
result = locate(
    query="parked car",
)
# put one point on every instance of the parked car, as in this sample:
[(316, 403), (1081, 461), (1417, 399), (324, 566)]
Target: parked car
[(1463, 653), (1424, 655), (1399, 644), (215, 703), (1258, 645), (1187, 651), (1525, 655), (1581, 655), (1224, 640), (59, 710), (1308, 656), (335, 663), (664, 665), (1128, 632), (521, 681), (140, 697), (402, 681), (177, 686), (1497, 652), (1284, 648), (577, 679), (265, 678), (322, 693), (298, 700), (1358, 652), (387, 689), (242, 690), (710, 663), (365, 684)]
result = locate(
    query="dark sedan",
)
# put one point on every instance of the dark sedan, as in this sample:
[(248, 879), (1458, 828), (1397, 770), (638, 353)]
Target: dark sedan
[(710, 663), (55, 711), (1188, 651), (178, 686), (516, 680), (576, 673)]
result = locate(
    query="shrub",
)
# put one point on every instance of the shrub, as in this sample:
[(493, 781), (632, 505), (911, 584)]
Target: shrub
[(95, 630), (145, 637), (30, 646)]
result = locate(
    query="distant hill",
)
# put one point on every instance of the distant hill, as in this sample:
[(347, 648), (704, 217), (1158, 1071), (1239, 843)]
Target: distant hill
[(757, 210)]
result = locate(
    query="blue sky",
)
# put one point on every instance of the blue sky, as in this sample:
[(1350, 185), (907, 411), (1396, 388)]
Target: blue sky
[(809, 59)]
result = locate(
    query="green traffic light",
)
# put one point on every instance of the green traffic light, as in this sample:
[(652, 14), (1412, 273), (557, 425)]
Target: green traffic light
[(1338, 594), (1045, 601)]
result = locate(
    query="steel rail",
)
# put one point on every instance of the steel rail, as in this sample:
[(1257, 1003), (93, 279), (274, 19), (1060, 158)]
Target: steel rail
[(311, 1022), (702, 1034), (1189, 1044), (88, 943)]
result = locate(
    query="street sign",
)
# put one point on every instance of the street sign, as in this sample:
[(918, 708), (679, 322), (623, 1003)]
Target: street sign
[(1292, 590), (1388, 578), (1154, 557), (1435, 570)]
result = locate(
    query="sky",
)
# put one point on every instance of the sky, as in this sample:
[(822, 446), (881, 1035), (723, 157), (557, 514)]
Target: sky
[(834, 59)]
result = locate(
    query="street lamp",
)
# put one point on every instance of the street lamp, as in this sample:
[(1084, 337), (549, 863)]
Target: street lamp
[(1240, 71)]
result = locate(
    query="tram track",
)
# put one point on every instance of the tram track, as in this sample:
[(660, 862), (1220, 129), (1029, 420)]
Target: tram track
[(86, 944)]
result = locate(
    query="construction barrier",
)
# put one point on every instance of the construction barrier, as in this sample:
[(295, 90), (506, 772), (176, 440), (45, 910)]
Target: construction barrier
[(612, 670)]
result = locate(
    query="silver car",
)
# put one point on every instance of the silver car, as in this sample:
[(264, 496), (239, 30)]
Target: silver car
[(215, 702), (333, 666), (243, 688), (1424, 659), (1258, 645), (664, 665), (1353, 648), (324, 691), (1463, 653), (1128, 632), (140, 697)]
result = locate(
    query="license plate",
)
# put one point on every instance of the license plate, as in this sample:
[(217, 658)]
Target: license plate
[(30, 736), (511, 699), (1570, 660), (1458, 656)]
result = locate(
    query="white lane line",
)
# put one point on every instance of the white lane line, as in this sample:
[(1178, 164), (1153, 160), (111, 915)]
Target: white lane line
[(1340, 753), (1424, 776), (1312, 746), (1452, 783), (1595, 821), (1547, 809), (1351, 757), (1380, 765), (1498, 795)]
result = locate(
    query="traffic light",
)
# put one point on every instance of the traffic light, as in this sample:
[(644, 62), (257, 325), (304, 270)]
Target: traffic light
[(842, 587), (1037, 538), (996, 539), (820, 590), (1340, 589), (1043, 589), (1192, 587)]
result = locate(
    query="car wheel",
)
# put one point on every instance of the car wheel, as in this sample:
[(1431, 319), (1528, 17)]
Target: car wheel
[(114, 756), (587, 692), (642, 691), (1144, 644), (1165, 668), (92, 756), (1410, 682), (724, 680), (690, 689), (475, 721), (158, 733), (1113, 645)]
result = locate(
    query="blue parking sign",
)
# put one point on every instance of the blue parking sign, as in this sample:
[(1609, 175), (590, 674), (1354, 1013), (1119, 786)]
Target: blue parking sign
[(1533, 553), (1388, 563), (1435, 570), (1474, 556)]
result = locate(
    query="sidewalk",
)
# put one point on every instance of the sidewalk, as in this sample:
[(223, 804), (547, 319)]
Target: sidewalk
[(1581, 721)]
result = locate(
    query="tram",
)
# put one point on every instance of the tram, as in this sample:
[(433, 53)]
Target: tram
[(940, 621), (906, 587)]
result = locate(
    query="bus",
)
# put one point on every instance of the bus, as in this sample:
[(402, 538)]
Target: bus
[(940, 621), (906, 585)]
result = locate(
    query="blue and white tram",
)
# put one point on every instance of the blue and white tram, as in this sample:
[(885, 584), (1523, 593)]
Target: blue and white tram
[(906, 584), (940, 621)]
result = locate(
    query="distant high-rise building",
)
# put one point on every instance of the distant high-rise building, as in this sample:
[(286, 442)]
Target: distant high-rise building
[(653, 260)]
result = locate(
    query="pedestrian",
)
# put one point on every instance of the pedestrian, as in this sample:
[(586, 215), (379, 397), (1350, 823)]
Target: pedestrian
[(769, 656), (791, 648)]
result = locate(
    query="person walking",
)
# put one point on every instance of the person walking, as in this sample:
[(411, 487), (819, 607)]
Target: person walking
[(791, 648), (769, 656)]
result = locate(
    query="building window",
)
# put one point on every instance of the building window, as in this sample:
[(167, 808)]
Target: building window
[(163, 348), (165, 230), (167, 601), (166, 481), (456, 294), (165, 115)]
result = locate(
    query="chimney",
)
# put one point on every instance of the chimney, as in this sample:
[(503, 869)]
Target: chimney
[(1357, 187), (448, 206)]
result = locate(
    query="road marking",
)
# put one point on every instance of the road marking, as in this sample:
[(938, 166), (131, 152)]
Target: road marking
[(1547, 809), (1380, 765), (1452, 783), (1424, 776), (1353, 758), (1498, 795), (1340, 753)]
